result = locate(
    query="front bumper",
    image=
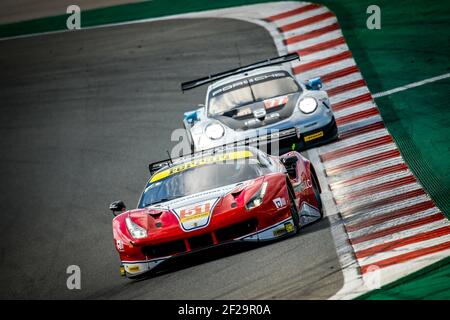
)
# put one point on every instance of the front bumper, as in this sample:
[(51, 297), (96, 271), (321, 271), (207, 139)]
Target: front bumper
[(303, 131), (278, 230)]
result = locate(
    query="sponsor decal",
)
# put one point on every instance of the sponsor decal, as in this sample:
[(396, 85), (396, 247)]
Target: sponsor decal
[(134, 268), (248, 81), (236, 155), (313, 136), (196, 216), (289, 227), (302, 186), (119, 245), (279, 202), (286, 228)]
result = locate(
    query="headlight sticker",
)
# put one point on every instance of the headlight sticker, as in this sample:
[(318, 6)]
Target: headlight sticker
[(279, 203)]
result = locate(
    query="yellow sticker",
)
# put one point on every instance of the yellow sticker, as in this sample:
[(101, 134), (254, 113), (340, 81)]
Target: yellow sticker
[(279, 232), (313, 136), (133, 268), (200, 162), (289, 227)]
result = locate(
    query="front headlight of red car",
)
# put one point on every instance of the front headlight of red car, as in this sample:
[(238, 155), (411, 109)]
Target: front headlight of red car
[(135, 230), (257, 199)]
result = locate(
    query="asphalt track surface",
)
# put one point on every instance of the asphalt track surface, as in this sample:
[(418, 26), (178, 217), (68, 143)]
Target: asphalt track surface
[(82, 114)]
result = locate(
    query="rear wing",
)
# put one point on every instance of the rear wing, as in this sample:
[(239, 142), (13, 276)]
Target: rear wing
[(254, 141), (214, 77)]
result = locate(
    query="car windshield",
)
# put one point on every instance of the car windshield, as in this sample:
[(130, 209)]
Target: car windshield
[(250, 90), (201, 178)]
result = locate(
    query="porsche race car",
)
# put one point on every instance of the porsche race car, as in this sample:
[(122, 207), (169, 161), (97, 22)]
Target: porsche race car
[(259, 100), (208, 199)]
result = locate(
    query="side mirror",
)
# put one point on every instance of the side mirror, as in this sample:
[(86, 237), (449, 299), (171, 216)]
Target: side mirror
[(191, 117), (314, 84), (117, 206)]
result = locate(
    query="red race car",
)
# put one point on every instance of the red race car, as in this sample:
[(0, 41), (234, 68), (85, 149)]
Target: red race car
[(212, 198)]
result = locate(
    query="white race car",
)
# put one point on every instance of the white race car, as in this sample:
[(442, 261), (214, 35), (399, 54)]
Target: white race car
[(260, 100)]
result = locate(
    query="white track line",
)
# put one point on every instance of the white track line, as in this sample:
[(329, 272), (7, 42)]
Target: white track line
[(411, 85)]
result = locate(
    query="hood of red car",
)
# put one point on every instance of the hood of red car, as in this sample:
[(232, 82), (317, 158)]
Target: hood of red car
[(194, 211)]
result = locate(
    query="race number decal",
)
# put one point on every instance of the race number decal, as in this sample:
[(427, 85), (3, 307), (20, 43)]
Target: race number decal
[(196, 216)]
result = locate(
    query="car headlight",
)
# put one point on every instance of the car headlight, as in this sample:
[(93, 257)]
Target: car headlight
[(308, 105), (214, 131), (257, 199), (136, 231)]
